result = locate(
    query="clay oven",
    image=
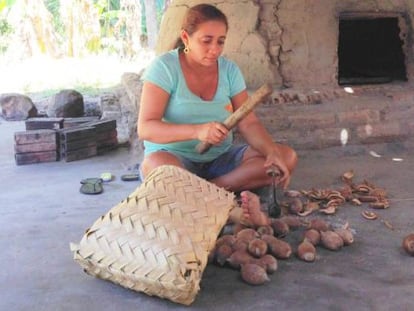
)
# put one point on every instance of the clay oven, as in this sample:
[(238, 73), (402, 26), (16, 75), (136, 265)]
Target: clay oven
[(312, 52), (296, 43)]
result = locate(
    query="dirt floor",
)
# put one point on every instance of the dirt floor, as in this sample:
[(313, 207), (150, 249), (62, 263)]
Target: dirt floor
[(43, 211)]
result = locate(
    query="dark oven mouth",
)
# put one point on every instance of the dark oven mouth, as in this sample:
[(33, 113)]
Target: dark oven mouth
[(371, 48)]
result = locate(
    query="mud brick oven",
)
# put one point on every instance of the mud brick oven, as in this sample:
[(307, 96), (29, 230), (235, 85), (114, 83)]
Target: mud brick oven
[(335, 65)]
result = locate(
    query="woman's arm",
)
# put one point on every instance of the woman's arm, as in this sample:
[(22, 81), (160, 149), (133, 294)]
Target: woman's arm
[(259, 138), (154, 101)]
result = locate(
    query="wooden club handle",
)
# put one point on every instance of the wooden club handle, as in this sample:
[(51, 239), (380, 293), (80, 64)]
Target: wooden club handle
[(257, 97)]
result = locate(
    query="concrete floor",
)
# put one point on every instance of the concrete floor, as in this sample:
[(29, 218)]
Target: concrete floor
[(42, 211)]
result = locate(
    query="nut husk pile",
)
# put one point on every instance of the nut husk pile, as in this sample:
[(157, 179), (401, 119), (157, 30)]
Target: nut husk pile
[(327, 201), (256, 251)]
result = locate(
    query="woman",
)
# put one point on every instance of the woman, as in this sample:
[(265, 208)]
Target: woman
[(187, 94)]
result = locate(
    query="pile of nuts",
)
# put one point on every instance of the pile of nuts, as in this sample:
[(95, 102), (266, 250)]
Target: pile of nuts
[(256, 251)]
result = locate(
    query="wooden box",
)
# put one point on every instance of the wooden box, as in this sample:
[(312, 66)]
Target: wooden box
[(35, 146), (73, 122), (77, 143), (106, 135), (44, 123)]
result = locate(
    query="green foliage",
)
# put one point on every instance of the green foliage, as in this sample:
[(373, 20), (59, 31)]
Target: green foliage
[(94, 45), (5, 28), (54, 8), (5, 31), (5, 4), (109, 12)]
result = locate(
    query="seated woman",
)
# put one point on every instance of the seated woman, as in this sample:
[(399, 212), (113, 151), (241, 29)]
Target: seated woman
[(187, 93)]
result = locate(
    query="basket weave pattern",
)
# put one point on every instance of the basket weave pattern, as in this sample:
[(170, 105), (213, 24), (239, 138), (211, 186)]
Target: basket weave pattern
[(158, 239)]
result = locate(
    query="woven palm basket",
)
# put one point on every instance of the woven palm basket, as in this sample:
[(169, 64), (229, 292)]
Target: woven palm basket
[(158, 239)]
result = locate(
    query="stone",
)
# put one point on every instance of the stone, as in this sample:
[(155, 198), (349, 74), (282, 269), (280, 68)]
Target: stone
[(17, 107), (66, 104)]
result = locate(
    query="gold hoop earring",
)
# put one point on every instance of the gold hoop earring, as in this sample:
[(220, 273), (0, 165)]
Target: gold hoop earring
[(186, 50)]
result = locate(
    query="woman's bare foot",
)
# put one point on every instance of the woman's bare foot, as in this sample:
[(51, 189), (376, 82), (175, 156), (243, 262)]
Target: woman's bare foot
[(252, 213)]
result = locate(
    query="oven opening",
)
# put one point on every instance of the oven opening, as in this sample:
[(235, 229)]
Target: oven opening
[(370, 51)]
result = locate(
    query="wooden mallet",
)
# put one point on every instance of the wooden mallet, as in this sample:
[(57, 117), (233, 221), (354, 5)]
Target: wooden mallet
[(257, 97)]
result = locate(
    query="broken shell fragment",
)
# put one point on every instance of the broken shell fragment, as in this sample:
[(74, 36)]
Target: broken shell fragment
[(363, 188), (379, 205), (336, 195), (367, 198), (408, 244), (355, 201), (347, 176), (387, 224), (331, 209), (309, 208), (369, 215)]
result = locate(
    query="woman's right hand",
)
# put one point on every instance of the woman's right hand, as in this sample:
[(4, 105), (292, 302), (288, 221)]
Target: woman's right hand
[(212, 132)]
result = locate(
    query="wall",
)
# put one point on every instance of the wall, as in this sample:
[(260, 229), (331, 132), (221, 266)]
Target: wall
[(289, 43), (292, 44)]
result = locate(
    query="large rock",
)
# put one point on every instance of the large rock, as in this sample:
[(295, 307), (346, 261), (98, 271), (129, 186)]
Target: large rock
[(129, 103), (66, 104), (17, 107)]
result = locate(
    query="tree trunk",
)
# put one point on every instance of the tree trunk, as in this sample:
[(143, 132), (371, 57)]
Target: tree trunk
[(33, 30), (82, 27), (151, 22), (131, 19)]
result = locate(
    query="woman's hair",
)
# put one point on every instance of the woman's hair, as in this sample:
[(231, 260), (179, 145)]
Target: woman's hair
[(199, 14)]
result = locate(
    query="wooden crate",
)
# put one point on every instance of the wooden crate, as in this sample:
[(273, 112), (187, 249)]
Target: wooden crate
[(106, 135), (106, 141), (36, 157), (102, 125), (79, 154), (73, 122), (77, 143), (44, 123), (35, 146), (35, 137)]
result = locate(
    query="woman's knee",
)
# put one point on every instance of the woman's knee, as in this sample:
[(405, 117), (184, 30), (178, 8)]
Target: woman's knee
[(291, 158), (158, 158)]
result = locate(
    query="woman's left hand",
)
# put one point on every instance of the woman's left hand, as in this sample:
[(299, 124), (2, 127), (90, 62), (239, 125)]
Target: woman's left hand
[(274, 160)]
